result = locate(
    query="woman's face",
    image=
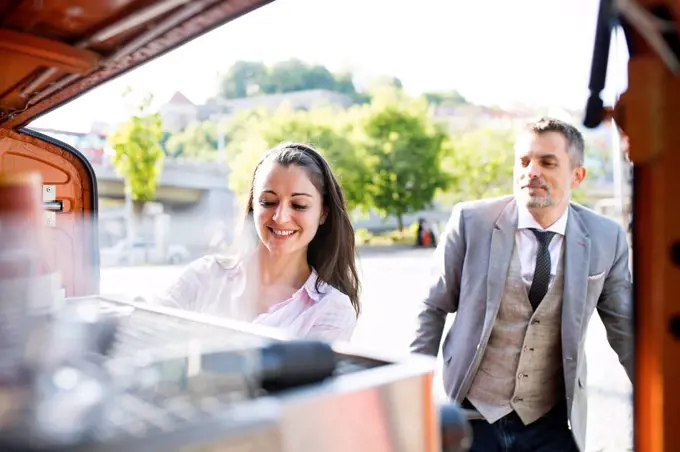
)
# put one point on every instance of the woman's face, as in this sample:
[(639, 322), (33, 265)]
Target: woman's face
[(287, 208)]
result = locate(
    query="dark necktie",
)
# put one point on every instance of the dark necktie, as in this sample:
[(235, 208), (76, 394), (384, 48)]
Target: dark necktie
[(541, 281)]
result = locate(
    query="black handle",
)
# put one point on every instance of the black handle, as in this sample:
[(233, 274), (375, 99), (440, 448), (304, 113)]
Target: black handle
[(280, 365), (456, 432), (598, 68)]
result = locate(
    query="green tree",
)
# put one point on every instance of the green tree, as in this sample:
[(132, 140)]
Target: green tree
[(138, 157), (244, 146), (296, 75), (344, 83), (324, 129), (198, 141), (331, 134), (445, 98), (243, 79), (248, 78), (379, 83), (480, 164), (404, 148)]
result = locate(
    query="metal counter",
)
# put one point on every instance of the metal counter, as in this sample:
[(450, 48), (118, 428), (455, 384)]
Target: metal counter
[(369, 403)]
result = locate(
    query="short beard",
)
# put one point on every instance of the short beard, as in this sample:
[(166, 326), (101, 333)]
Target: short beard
[(540, 202), (536, 202)]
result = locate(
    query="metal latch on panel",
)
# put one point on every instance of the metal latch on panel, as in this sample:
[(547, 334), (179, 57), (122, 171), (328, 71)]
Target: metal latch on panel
[(51, 205)]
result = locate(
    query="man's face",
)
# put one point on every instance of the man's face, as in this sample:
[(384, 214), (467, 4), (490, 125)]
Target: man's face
[(544, 172)]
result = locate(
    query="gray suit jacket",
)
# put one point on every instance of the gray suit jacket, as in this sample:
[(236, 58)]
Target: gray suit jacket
[(473, 257)]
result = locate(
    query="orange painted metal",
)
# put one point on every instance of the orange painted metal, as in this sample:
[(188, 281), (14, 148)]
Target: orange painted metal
[(649, 113), (432, 437), (48, 51), (72, 251), (53, 51)]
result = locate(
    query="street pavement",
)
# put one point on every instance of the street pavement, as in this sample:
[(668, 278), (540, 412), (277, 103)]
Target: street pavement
[(394, 281)]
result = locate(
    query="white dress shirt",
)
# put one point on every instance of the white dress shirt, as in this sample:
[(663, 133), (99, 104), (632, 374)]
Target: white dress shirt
[(527, 244), (208, 286)]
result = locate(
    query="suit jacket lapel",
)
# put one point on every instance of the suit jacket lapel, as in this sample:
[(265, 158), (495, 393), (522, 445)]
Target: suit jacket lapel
[(576, 266), (502, 244)]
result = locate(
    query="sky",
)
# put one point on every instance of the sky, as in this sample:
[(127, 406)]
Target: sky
[(495, 52)]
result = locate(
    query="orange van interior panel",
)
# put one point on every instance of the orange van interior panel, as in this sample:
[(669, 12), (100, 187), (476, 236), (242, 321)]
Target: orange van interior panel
[(73, 233)]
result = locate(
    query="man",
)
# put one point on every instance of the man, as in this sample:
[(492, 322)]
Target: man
[(524, 274)]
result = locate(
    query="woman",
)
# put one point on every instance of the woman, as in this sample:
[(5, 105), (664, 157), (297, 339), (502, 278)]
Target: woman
[(426, 235), (299, 272)]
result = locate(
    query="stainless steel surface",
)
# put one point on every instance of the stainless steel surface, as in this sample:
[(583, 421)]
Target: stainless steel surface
[(49, 197), (53, 206), (371, 403)]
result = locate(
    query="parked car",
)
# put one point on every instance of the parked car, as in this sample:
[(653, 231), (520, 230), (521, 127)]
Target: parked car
[(142, 251)]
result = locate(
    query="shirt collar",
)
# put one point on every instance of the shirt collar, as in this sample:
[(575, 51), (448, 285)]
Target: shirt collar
[(310, 287), (236, 267), (526, 221)]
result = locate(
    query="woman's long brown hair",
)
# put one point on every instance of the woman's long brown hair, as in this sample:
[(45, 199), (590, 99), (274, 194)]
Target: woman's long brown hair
[(332, 251)]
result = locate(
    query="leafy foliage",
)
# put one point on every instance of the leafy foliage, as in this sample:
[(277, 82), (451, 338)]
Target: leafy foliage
[(198, 141), (249, 78), (389, 153), (480, 164), (404, 149), (320, 128), (138, 155)]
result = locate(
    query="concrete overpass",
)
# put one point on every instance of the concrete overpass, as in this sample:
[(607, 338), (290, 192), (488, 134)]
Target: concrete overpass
[(195, 195), (180, 182)]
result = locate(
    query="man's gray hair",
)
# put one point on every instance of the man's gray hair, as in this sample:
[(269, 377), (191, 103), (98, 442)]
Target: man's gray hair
[(575, 142)]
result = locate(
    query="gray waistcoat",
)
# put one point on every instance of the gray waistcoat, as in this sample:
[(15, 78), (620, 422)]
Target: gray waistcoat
[(521, 369)]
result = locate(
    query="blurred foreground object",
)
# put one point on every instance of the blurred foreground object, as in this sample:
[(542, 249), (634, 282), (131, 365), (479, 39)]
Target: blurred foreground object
[(647, 113), (98, 374), (180, 381), (50, 393)]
